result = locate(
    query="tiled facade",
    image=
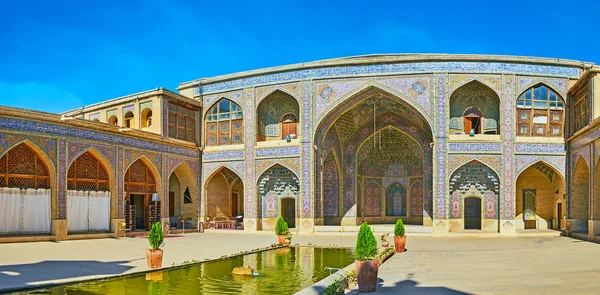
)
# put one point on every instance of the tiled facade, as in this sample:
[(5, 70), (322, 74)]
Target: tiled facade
[(341, 105)]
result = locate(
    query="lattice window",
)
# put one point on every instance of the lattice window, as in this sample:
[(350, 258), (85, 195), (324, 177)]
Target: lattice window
[(139, 179), (540, 112), (87, 174), (182, 123), (224, 124), (21, 167)]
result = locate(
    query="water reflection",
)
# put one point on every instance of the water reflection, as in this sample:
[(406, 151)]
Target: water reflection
[(281, 271)]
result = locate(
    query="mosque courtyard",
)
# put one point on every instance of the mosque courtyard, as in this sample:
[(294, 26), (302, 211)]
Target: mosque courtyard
[(431, 265)]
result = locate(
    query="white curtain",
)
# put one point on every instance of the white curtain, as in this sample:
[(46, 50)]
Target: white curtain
[(36, 210), (99, 212), (77, 210), (24, 210), (88, 211), (11, 211)]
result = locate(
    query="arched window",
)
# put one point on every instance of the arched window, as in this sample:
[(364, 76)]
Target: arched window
[(87, 174), (146, 118), (21, 167), (224, 124), (540, 112), (474, 106), (96, 120), (129, 123), (113, 120)]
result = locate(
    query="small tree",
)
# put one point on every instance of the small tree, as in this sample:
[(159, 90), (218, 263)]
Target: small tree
[(399, 228), (281, 228), (156, 238), (366, 244)]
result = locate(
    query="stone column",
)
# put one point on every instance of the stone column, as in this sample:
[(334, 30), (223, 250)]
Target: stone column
[(440, 158), (507, 198), (251, 215), (306, 204)]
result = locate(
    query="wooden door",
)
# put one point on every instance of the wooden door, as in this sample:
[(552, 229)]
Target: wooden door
[(288, 208), (529, 209), (468, 125), (288, 129), (472, 213), (558, 216), (171, 204)]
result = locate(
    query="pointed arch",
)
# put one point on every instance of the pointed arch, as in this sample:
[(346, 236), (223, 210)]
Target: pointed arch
[(359, 95), (540, 188), (275, 163), (331, 185), (275, 89), (224, 123), (474, 159), (579, 204), (138, 181), (544, 162), (536, 82), (474, 94), (396, 200), (477, 79), (268, 113), (417, 195), (184, 193), (25, 165), (274, 184), (540, 111), (90, 171)]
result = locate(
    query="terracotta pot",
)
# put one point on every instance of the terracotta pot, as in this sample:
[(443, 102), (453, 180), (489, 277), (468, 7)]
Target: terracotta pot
[(399, 243), (154, 258), (385, 244), (280, 239), (366, 274), (287, 242)]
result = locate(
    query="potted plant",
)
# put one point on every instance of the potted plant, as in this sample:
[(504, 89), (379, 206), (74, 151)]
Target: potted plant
[(399, 237), (366, 265), (155, 238), (281, 230), (384, 242), (288, 239)]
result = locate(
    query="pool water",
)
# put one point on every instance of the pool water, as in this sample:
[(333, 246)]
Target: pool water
[(280, 271)]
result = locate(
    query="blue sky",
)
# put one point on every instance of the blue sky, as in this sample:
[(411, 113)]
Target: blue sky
[(59, 55)]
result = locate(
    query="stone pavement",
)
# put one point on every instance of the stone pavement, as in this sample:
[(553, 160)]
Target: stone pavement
[(431, 265), (518, 265)]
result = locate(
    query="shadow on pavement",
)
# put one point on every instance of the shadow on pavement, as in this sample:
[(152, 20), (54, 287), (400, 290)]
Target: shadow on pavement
[(410, 287), (40, 273)]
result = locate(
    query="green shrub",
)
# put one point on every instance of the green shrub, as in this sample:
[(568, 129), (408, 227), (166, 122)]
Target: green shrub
[(366, 244), (155, 238), (281, 228), (399, 228)]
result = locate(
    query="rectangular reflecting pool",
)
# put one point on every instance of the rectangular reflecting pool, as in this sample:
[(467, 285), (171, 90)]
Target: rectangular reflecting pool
[(280, 271)]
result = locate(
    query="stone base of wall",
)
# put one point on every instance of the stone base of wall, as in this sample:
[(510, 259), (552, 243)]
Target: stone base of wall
[(60, 229), (440, 227), (508, 228), (250, 224), (305, 225), (579, 225)]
